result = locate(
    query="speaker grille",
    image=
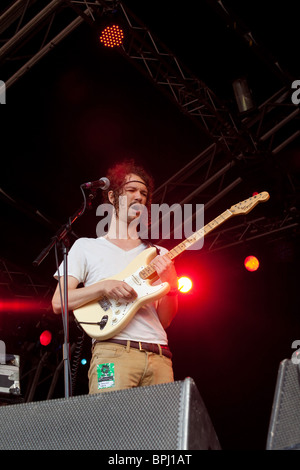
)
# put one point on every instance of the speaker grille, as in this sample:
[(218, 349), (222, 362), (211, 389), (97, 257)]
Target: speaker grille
[(284, 429), (147, 418)]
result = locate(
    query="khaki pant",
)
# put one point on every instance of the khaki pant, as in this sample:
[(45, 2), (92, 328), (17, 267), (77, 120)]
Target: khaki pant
[(116, 367)]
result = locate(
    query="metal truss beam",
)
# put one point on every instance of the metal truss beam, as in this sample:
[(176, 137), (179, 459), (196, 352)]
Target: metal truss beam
[(13, 13), (192, 95), (18, 284), (214, 172), (243, 31), (275, 124), (254, 229), (163, 68), (28, 39), (197, 177)]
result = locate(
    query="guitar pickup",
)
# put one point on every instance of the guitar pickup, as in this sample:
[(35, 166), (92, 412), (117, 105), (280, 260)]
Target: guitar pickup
[(104, 303), (136, 279)]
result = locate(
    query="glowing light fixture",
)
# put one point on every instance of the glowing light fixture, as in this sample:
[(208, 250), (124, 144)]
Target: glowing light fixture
[(45, 338), (184, 284), (112, 36), (251, 263)]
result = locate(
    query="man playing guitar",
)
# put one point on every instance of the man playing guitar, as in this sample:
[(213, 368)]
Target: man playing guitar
[(138, 354)]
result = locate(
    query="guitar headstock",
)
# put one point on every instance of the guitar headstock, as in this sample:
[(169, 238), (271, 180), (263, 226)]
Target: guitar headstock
[(246, 206)]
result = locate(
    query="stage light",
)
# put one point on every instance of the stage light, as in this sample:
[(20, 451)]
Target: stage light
[(243, 95), (45, 338), (251, 263), (22, 306), (83, 362), (184, 284), (112, 36)]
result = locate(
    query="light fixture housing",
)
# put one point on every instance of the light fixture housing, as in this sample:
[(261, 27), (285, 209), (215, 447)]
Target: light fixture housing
[(243, 95)]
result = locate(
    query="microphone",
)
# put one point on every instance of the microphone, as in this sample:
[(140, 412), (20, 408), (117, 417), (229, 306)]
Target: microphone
[(102, 183)]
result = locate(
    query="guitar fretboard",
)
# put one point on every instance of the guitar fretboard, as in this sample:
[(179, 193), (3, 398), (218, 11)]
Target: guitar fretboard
[(188, 242)]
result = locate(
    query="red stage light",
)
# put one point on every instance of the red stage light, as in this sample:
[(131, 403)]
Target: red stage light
[(46, 338), (112, 36), (22, 305), (251, 263), (184, 284)]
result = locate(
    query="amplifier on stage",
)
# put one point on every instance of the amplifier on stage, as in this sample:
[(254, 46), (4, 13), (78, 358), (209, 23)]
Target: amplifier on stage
[(10, 375)]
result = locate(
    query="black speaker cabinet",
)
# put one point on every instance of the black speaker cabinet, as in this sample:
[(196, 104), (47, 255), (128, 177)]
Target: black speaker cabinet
[(159, 417), (284, 427)]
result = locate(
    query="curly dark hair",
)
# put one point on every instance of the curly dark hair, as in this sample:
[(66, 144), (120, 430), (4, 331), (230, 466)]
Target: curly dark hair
[(117, 175)]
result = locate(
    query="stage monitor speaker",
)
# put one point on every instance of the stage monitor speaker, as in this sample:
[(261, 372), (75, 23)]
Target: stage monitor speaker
[(284, 427), (159, 417)]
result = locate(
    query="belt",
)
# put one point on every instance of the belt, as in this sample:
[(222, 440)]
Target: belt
[(149, 347)]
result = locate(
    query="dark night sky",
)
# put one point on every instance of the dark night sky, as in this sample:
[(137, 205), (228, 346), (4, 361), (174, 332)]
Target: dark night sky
[(81, 109)]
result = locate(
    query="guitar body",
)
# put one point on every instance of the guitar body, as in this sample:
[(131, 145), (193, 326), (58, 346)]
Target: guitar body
[(104, 318)]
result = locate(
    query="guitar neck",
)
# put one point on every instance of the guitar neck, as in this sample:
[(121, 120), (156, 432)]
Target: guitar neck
[(188, 242)]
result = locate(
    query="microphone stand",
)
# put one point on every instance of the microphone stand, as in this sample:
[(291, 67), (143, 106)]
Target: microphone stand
[(61, 238)]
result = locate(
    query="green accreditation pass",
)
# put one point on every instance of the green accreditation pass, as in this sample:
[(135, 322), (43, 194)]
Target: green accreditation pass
[(106, 375)]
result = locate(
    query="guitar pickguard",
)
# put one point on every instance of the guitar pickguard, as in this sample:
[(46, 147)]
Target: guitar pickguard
[(119, 309)]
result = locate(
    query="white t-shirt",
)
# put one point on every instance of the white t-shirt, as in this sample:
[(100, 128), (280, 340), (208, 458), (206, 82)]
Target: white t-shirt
[(93, 259)]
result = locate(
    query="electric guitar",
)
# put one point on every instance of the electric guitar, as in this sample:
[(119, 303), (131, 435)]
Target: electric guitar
[(104, 318)]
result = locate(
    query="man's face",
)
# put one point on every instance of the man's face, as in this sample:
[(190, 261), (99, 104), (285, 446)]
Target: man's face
[(132, 199)]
